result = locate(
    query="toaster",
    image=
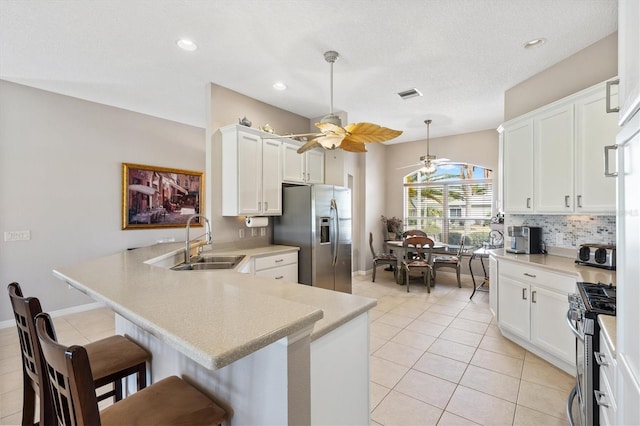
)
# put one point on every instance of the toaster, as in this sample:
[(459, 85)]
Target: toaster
[(599, 255)]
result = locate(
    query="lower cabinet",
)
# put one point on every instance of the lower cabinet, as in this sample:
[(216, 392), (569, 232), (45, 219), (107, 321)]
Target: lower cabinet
[(532, 308), (605, 396), (280, 267)]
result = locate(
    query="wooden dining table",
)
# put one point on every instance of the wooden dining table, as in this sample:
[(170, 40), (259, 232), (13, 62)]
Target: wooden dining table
[(397, 246)]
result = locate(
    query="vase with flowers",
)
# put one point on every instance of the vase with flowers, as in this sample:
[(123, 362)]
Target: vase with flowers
[(393, 226)]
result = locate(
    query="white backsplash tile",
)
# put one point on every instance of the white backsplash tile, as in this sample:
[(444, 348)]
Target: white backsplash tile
[(576, 229)]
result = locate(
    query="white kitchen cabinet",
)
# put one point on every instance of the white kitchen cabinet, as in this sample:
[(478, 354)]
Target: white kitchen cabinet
[(595, 129), (282, 266), (532, 307), (629, 58), (606, 398), (517, 182), (553, 157), (628, 271), (307, 167), (251, 170)]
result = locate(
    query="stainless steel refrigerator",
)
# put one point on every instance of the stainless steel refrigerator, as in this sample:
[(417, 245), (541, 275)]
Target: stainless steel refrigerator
[(317, 219)]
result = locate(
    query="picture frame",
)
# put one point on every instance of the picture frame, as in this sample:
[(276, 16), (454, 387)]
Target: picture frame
[(160, 197)]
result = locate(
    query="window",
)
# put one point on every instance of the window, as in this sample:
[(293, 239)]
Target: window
[(454, 200)]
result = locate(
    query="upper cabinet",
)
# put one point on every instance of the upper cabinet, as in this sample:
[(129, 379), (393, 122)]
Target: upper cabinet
[(554, 157), (629, 58), (307, 167), (251, 170)]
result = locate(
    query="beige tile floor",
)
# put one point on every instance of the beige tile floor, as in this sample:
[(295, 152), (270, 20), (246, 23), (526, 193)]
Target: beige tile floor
[(440, 359), (435, 359)]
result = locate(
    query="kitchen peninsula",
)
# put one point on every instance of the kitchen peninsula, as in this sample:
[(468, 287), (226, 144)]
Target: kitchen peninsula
[(273, 352)]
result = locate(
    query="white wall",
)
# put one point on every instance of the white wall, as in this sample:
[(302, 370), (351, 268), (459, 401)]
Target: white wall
[(60, 178)]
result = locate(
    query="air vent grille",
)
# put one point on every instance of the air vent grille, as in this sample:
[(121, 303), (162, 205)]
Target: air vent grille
[(411, 93)]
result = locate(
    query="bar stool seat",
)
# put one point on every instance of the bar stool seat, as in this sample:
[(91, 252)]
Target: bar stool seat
[(171, 401)]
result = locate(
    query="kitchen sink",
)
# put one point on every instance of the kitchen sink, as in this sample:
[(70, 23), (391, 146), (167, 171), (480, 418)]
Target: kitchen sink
[(205, 262)]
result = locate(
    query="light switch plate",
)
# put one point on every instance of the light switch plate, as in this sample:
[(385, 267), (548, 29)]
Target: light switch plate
[(241, 233), (17, 235)]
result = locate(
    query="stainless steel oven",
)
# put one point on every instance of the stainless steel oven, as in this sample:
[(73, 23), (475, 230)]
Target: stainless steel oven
[(584, 307)]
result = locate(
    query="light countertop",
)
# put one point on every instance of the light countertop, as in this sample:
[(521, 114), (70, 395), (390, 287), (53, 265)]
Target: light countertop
[(215, 317), (608, 327), (561, 264)]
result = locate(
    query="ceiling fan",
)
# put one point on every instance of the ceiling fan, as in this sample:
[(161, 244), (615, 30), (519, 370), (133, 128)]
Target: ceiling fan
[(351, 137), (428, 162)]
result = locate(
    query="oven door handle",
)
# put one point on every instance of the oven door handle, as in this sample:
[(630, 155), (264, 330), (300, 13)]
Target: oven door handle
[(573, 327), (572, 396)]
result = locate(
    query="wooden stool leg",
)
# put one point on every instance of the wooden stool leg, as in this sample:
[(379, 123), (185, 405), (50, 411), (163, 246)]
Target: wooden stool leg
[(117, 389)]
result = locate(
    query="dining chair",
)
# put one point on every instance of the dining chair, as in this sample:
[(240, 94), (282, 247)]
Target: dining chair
[(450, 261), (68, 374), (421, 260), (112, 358), (413, 233), (381, 259)]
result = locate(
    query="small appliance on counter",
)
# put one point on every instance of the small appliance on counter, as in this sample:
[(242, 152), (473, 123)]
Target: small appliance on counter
[(598, 255), (524, 239)]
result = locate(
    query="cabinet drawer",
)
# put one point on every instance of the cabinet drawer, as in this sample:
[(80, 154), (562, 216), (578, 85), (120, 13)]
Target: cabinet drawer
[(606, 361), (287, 273), (606, 402), (267, 262), (538, 277)]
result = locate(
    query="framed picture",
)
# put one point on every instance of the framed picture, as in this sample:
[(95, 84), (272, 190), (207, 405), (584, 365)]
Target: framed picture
[(160, 197)]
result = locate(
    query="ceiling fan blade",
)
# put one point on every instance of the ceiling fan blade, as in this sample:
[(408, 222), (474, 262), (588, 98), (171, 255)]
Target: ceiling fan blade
[(441, 161), (410, 165), (313, 143), (369, 132), (351, 146)]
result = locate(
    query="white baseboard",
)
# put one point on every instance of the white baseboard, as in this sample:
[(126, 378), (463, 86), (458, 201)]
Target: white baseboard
[(60, 312)]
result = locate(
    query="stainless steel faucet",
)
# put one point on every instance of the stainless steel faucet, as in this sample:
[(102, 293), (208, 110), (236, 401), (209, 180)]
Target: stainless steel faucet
[(187, 247)]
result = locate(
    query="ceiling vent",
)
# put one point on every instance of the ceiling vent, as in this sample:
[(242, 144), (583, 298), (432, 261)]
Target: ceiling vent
[(411, 93)]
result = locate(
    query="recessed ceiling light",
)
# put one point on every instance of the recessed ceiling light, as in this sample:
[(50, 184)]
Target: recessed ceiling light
[(186, 44), (278, 85), (536, 42)]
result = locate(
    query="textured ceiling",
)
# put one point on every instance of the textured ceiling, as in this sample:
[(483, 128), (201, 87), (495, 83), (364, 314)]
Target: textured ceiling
[(461, 54)]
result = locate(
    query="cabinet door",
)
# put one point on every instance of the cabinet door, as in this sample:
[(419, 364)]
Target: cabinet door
[(513, 306), (292, 164), (271, 177), (249, 174), (548, 325), (553, 158), (595, 193), (314, 166), (518, 167), (629, 58)]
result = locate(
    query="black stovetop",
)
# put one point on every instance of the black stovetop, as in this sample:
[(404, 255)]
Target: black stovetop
[(598, 298)]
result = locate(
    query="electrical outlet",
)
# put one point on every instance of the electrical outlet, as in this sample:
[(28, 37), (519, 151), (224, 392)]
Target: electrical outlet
[(17, 235), (254, 232), (241, 233), (263, 232), (559, 238)]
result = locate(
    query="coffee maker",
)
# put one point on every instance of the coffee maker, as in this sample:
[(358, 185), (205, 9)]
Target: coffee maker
[(524, 239)]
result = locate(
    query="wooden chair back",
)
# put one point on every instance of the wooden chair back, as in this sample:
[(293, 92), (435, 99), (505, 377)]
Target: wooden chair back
[(24, 310), (413, 233), (68, 376), (421, 246)]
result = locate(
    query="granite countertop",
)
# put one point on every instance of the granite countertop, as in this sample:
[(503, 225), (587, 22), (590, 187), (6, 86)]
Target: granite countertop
[(608, 328), (561, 264), (215, 317)]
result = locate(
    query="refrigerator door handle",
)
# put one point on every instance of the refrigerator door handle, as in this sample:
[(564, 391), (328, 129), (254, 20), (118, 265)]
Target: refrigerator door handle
[(336, 232)]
